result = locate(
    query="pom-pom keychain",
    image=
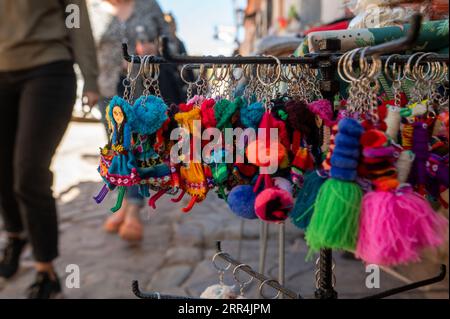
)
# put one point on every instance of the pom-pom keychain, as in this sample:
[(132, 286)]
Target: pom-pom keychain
[(395, 223), (151, 115), (273, 204), (252, 114), (241, 201), (334, 223), (396, 226)]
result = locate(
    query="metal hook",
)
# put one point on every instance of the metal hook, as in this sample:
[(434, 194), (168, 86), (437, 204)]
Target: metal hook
[(419, 284)]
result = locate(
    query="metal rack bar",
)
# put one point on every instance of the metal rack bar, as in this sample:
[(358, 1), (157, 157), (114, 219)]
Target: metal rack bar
[(313, 59), (260, 277), (415, 285)]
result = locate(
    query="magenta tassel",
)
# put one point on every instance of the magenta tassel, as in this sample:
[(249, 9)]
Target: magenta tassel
[(395, 227)]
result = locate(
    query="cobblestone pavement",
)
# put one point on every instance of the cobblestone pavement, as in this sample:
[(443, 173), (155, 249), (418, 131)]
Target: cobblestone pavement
[(175, 256)]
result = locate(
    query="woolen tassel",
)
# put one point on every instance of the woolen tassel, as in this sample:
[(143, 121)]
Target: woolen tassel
[(395, 227), (334, 223), (306, 198)]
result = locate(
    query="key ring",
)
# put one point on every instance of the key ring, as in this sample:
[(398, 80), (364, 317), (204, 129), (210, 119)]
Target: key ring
[(265, 282), (396, 71), (215, 264), (278, 73), (235, 275)]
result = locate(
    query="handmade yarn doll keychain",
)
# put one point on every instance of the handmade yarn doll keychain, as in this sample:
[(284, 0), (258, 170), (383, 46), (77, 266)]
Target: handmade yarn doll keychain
[(151, 115), (122, 171), (192, 175)]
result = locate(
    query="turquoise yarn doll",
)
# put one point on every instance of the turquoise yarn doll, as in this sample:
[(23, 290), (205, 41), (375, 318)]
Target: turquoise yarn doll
[(122, 171)]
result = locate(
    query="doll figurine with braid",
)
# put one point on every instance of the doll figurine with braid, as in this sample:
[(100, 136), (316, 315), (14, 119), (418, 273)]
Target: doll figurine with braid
[(122, 171)]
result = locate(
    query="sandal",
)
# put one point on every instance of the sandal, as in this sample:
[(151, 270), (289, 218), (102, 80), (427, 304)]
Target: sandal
[(131, 230), (113, 223)]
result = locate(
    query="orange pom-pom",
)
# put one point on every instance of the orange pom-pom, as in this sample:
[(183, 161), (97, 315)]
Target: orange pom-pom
[(261, 155)]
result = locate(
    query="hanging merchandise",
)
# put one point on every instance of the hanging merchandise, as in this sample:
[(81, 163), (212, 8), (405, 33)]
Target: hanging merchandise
[(192, 175), (273, 203), (118, 165), (360, 174)]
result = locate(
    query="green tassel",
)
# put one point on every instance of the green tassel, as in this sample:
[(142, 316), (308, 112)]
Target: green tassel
[(334, 224), (122, 190)]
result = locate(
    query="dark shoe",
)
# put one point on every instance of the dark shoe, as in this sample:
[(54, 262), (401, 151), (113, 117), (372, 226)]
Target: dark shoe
[(9, 264), (44, 287)]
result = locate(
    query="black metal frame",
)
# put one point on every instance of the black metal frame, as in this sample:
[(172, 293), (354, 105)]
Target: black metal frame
[(326, 61)]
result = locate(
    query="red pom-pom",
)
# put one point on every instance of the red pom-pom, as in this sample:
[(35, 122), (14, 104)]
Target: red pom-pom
[(274, 205)]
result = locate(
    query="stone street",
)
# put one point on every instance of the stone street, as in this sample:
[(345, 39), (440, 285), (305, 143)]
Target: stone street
[(175, 255)]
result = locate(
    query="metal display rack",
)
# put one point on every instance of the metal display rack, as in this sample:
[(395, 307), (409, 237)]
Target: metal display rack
[(326, 61)]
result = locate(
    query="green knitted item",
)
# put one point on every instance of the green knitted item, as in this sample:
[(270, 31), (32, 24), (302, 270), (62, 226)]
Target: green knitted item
[(224, 111), (334, 224), (122, 191)]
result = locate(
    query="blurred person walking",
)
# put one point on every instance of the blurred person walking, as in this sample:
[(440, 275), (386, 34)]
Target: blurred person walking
[(37, 96), (139, 23)]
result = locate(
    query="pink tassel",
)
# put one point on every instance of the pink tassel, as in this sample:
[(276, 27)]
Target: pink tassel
[(396, 226)]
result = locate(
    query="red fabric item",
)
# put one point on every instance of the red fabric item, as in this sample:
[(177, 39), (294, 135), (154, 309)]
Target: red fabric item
[(342, 25), (268, 122), (208, 116), (185, 108)]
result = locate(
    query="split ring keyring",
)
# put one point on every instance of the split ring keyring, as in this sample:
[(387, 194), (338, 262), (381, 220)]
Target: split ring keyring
[(265, 282), (408, 72), (215, 264), (429, 74), (238, 66), (183, 69), (153, 69), (342, 71), (396, 72), (223, 73), (438, 70), (369, 70), (373, 70), (235, 275), (278, 73), (348, 66), (131, 71)]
